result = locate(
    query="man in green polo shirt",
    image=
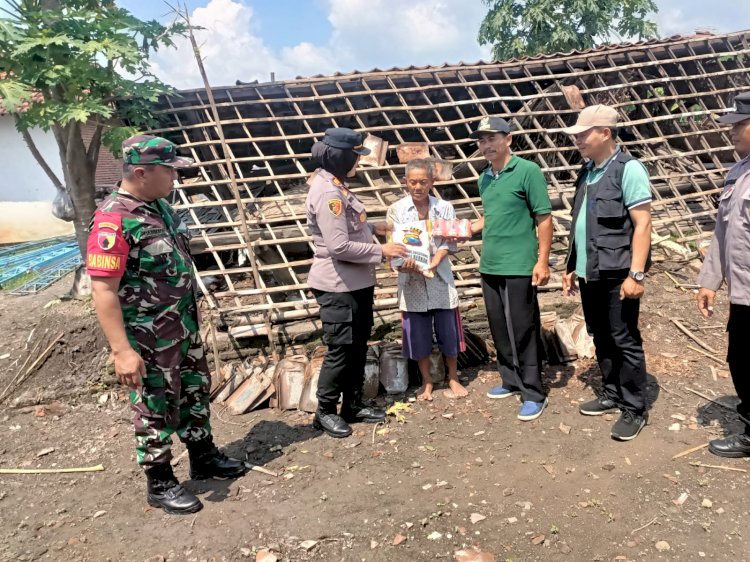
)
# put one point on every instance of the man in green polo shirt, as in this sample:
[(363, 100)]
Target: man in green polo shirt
[(514, 263)]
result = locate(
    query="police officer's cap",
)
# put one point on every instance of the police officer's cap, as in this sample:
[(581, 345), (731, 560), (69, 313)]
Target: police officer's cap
[(741, 112), (344, 138)]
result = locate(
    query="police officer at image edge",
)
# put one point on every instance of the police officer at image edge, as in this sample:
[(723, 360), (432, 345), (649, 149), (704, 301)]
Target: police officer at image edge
[(342, 278), (728, 259)]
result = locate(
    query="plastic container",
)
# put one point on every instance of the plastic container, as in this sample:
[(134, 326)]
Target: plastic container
[(289, 380), (394, 369), (308, 401)]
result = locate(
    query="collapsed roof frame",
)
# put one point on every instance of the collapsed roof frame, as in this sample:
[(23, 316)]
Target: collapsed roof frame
[(666, 92)]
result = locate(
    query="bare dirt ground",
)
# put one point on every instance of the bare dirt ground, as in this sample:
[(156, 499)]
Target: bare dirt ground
[(456, 474)]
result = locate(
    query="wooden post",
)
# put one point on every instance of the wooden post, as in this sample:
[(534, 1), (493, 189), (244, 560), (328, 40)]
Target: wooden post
[(185, 14)]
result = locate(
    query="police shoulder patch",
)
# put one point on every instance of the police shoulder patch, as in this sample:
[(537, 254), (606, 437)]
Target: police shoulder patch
[(335, 206)]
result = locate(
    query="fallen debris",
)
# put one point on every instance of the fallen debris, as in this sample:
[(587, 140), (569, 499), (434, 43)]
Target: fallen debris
[(709, 399), (256, 468), (473, 554), (692, 336), (476, 518), (22, 374), (97, 468), (717, 467), (690, 450), (398, 409), (308, 545), (717, 359), (398, 539), (654, 520)]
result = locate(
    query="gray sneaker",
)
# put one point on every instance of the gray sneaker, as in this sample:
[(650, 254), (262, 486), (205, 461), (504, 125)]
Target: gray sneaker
[(628, 426), (598, 407)]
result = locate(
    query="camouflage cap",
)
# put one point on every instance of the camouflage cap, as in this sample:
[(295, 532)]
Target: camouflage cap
[(147, 149)]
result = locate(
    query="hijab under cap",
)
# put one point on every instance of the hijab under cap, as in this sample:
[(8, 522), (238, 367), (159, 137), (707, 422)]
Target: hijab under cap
[(336, 161)]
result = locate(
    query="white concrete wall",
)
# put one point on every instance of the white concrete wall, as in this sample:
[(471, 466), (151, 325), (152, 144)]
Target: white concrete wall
[(21, 178), (30, 220)]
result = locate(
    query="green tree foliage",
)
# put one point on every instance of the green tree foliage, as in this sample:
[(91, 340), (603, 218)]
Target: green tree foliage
[(64, 63), (516, 28)]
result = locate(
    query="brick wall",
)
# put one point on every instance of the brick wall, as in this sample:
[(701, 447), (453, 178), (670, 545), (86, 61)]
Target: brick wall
[(109, 168)]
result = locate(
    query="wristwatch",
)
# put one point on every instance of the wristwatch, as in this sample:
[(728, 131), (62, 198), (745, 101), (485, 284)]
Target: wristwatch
[(637, 275)]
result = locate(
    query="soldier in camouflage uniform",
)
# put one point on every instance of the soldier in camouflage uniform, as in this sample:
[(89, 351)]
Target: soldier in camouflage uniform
[(143, 287)]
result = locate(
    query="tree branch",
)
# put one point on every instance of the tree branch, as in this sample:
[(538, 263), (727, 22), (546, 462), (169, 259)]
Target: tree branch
[(92, 152), (39, 158)]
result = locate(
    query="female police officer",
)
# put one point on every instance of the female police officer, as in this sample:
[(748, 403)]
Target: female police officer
[(342, 278)]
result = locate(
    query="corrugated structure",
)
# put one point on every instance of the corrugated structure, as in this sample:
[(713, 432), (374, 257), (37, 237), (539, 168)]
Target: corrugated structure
[(667, 93)]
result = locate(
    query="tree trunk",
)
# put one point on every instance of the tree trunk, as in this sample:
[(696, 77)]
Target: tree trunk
[(79, 170), (80, 178)]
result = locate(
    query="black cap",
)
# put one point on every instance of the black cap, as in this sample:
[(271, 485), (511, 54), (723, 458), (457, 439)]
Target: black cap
[(741, 111), (346, 139), (491, 125)]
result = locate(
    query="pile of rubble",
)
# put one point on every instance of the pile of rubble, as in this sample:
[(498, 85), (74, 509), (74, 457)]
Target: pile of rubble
[(290, 383)]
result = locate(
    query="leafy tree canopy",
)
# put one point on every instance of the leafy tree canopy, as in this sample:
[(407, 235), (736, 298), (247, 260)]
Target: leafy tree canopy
[(517, 28), (81, 56)]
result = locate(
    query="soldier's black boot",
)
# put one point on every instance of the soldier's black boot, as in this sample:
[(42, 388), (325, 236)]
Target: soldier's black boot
[(166, 493), (331, 423), (206, 461), (354, 410)]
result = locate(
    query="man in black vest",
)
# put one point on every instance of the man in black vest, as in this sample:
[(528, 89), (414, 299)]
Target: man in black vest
[(609, 245)]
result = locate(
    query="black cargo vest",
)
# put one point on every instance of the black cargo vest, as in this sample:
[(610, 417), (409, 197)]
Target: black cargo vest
[(609, 228)]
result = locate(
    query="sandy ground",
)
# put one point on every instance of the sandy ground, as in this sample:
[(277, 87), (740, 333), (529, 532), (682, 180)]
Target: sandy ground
[(455, 474)]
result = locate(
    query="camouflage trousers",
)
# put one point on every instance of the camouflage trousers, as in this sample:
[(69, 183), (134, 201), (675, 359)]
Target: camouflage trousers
[(174, 397)]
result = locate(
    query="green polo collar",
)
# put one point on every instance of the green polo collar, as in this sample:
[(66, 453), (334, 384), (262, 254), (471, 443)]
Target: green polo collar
[(508, 167)]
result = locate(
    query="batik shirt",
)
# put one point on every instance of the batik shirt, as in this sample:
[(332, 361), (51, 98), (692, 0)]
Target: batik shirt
[(417, 293)]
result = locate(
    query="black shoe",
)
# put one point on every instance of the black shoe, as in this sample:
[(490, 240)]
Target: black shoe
[(598, 407), (733, 447), (359, 412), (332, 424), (628, 426), (163, 491), (206, 461)]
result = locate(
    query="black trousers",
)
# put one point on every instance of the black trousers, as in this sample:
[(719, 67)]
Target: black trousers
[(513, 315), (619, 347), (738, 329), (347, 323)]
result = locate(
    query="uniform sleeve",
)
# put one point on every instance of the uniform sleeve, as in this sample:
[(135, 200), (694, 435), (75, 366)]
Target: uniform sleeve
[(536, 192), (107, 249), (713, 269), (330, 212), (711, 275), (636, 185)]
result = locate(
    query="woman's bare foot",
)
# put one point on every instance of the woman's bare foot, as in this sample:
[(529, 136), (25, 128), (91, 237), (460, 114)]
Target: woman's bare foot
[(425, 393), (457, 389)]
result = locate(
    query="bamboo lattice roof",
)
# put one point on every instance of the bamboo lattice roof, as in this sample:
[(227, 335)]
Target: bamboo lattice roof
[(667, 92)]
